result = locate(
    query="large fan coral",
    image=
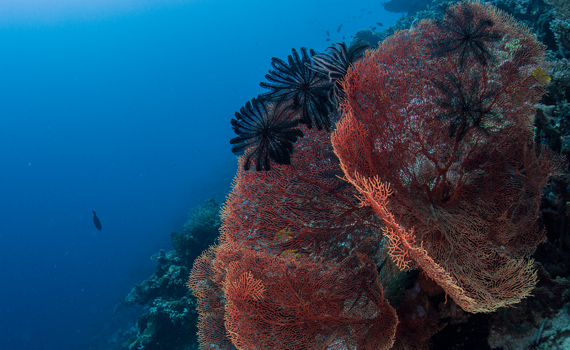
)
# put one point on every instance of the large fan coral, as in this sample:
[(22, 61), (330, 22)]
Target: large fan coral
[(296, 267), (266, 131), (462, 208)]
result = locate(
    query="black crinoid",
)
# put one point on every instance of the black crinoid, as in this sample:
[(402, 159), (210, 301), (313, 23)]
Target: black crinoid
[(466, 105), (468, 28), (304, 90), (266, 132), (335, 63)]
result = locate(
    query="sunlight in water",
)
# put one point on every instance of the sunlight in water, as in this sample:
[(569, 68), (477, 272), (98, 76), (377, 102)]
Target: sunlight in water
[(50, 11)]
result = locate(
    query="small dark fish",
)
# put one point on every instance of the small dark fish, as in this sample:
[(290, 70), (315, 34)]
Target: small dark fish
[(373, 28), (339, 28), (328, 39), (328, 33), (369, 12), (96, 221), (379, 23)]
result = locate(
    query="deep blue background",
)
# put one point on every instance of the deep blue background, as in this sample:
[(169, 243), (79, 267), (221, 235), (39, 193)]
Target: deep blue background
[(123, 109)]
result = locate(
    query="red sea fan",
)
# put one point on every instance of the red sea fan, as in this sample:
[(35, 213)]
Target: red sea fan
[(443, 152), (305, 207), (296, 267), (277, 304)]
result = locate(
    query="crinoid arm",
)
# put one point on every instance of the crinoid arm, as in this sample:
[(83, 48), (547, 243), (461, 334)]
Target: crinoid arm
[(303, 90), (335, 63), (266, 132), (467, 32)]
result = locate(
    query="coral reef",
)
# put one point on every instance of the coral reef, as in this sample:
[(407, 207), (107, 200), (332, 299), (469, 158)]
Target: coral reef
[(199, 231), (307, 259), (561, 25), (169, 324), (445, 173), (306, 255), (170, 320), (435, 136)]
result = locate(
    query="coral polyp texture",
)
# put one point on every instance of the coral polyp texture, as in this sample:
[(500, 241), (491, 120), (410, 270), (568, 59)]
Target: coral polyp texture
[(441, 146), (296, 264), (432, 166)]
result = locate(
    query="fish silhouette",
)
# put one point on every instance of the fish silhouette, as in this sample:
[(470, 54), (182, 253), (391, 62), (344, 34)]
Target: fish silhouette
[(96, 221)]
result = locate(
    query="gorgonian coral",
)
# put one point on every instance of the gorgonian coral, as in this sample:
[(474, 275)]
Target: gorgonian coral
[(266, 131)]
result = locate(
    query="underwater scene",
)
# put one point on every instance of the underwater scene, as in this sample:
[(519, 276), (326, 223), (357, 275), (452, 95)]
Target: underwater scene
[(221, 174)]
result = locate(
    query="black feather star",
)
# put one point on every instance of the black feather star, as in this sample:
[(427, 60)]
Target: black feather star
[(301, 88), (266, 132), (335, 63), (468, 30), (466, 105)]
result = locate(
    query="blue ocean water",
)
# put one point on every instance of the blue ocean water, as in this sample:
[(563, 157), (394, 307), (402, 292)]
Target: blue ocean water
[(123, 107)]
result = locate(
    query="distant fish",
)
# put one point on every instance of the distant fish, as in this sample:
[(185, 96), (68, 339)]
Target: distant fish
[(117, 307), (339, 28), (380, 24), (96, 221), (328, 39), (373, 28)]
